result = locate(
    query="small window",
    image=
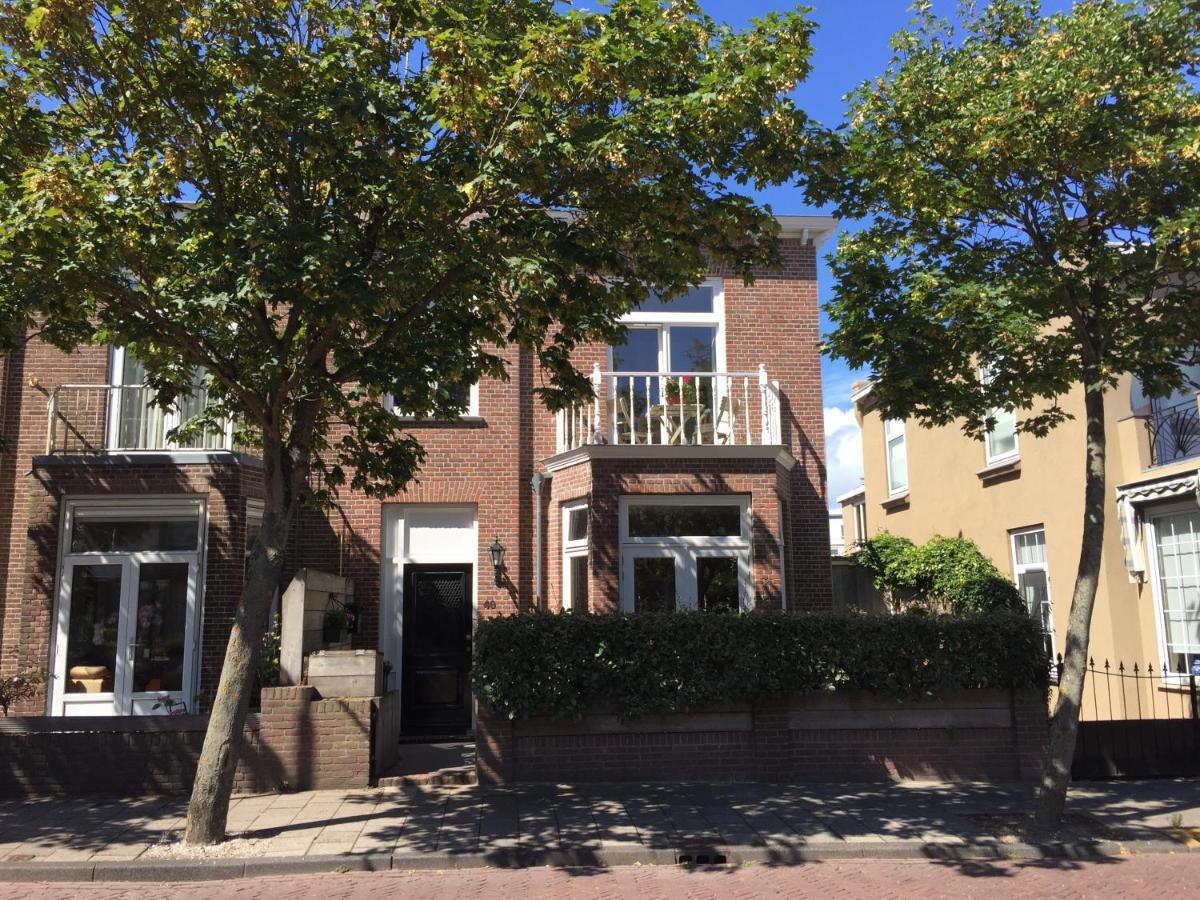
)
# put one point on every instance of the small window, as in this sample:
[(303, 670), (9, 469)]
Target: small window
[(575, 556), (1033, 580), (1002, 436), (463, 396), (897, 456)]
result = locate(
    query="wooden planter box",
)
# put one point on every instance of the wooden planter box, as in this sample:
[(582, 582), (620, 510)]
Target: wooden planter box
[(346, 673)]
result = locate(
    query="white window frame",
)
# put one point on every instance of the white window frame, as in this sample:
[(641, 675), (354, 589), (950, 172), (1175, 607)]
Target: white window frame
[(685, 550), (471, 412), (663, 321), (995, 459), (135, 508), (1151, 525), (888, 440), (116, 380), (572, 550), (1020, 569)]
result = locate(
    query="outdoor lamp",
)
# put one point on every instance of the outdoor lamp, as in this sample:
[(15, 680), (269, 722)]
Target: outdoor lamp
[(497, 551)]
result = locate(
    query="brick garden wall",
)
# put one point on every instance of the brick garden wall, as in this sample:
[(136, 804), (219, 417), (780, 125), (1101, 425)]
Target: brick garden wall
[(971, 736), (297, 739)]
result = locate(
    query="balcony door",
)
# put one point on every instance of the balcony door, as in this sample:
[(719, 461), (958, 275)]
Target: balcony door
[(136, 422), (127, 610), (663, 389)]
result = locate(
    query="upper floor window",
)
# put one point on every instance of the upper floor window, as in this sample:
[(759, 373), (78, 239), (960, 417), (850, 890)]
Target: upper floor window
[(684, 334), (137, 422), (462, 396), (1173, 421), (1001, 436), (897, 455)]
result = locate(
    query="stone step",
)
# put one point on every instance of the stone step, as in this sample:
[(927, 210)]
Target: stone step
[(459, 775)]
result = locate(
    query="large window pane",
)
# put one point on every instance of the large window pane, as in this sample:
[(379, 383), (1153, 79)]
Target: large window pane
[(1178, 550), (1002, 437), (897, 456), (694, 300), (693, 349), (717, 583), (638, 352), (161, 627), (128, 535), (653, 584), (92, 632), (1030, 547), (666, 520), (1035, 588)]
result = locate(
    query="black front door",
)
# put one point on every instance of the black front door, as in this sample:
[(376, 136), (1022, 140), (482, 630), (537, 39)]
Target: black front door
[(435, 692)]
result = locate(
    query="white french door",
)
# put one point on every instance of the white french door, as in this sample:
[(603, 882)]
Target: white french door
[(128, 608)]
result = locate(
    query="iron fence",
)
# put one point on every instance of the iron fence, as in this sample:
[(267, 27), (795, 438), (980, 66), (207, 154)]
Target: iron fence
[(1137, 721)]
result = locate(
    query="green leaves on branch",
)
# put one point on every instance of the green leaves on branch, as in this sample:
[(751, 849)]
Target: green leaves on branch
[(565, 665), (380, 197), (1032, 185), (945, 574)]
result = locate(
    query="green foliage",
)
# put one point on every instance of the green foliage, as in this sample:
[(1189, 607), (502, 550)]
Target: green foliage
[(359, 173), (268, 660), (945, 574), (542, 664), (19, 686), (1033, 188)]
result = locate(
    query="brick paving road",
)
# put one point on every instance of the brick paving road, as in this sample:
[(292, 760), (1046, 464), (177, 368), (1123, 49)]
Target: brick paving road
[(1134, 876)]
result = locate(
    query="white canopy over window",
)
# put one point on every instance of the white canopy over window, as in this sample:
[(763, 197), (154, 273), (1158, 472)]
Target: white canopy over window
[(1131, 499)]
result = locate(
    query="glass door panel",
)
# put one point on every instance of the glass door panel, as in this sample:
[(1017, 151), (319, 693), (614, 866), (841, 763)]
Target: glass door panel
[(654, 584), (1178, 551), (160, 628), (717, 583), (636, 415), (89, 668)]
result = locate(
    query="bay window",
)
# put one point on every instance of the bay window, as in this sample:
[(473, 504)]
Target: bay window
[(685, 552)]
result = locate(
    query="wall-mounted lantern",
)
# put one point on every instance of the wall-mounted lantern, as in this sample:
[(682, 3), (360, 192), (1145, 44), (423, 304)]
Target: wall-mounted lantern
[(497, 552)]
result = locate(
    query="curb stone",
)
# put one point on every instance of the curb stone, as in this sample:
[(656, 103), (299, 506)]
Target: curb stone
[(596, 857)]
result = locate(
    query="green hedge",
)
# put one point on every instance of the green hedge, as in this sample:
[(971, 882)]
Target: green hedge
[(563, 665)]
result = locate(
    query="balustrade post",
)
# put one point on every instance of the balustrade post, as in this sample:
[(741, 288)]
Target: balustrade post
[(597, 385), (762, 404)]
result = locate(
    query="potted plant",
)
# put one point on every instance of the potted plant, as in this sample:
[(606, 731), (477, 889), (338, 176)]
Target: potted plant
[(334, 624)]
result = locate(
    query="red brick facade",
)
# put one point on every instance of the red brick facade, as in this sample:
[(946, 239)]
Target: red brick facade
[(970, 736), (485, 462)]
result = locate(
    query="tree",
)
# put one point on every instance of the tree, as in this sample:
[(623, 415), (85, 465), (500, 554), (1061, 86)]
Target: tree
[(319, 203), (1032, 186)]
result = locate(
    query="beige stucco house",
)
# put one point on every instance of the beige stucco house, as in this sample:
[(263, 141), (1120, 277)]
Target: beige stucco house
[(1020, 498)]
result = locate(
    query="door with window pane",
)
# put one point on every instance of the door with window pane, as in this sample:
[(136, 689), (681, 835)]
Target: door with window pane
[(1177, 555), (126, 614)]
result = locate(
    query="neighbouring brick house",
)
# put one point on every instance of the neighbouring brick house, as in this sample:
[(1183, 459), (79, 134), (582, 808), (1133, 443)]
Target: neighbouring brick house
[(696, 477)]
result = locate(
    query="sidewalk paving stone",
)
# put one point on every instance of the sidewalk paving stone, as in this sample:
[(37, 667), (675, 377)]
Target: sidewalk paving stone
[(600, 824)]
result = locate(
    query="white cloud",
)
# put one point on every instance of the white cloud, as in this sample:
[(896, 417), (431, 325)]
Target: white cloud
[(843, 451)]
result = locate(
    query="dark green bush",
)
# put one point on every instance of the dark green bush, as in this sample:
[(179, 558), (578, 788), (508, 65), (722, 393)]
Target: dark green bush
[(945, 574), (563, 665)]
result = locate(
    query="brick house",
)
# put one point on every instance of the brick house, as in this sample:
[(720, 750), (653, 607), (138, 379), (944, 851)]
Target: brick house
[(696, 478)]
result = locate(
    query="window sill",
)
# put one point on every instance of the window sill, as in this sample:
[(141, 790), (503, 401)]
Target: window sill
[(1000, 470), (898, 501)]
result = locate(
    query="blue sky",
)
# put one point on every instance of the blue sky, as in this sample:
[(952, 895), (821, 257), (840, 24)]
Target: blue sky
[(850, 46)]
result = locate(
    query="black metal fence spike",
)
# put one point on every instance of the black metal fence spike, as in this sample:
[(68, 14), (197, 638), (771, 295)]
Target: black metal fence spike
[(1135, 670), (1121, 667), (1106, 664)]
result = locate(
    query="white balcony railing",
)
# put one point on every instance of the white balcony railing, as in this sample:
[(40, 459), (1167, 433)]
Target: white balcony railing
[(674, 409), (98, 418)]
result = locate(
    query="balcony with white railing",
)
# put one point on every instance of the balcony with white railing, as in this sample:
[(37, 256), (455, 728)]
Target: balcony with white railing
[(118, 418), (679, 409)]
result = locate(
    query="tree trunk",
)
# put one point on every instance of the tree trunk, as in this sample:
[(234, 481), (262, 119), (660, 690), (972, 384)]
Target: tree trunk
[(209, 804), (1064, 723)]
